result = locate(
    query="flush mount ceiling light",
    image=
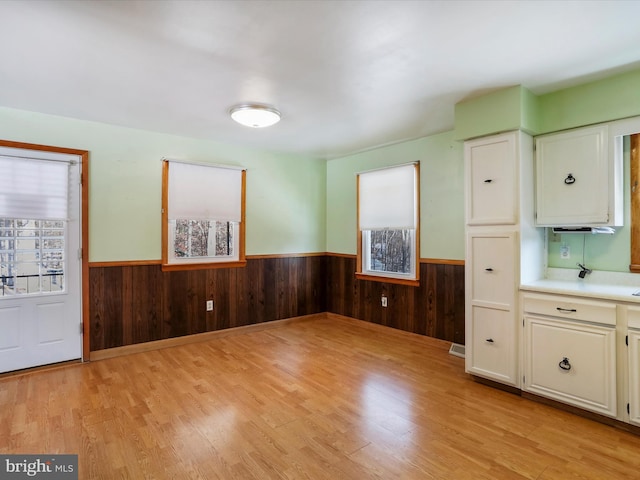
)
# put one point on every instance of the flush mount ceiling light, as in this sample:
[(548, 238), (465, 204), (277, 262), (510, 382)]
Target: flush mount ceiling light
[(255, 116)]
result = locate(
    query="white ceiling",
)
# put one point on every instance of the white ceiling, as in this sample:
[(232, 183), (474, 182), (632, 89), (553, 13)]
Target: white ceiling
[(346, 75)]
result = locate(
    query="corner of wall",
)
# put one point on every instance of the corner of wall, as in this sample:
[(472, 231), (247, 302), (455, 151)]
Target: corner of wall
[(495, 112)]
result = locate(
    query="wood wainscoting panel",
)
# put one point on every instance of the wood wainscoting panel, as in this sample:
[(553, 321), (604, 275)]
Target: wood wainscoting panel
[(132, 304), (435, 308)]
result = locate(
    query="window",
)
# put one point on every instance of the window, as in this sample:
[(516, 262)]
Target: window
[(33, 221), (388, 224), (202, 216), (31, 256)]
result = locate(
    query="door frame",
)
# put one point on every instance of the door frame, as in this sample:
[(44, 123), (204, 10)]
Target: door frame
[(84, 232)]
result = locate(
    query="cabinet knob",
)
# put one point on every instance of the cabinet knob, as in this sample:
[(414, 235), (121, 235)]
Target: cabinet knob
[(488, 269), (489, 340), (488, 180), (570, 179), (564, 364)]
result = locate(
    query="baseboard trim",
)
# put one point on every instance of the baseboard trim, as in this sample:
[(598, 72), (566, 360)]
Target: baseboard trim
[(596, 417), (497, 385), (197, 337)]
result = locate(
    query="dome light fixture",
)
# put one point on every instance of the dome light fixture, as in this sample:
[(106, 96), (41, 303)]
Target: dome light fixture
[(254, 115)]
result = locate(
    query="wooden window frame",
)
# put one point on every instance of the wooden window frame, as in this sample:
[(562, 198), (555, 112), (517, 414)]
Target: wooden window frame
[(166, 266), (634, 189), (414, 282)]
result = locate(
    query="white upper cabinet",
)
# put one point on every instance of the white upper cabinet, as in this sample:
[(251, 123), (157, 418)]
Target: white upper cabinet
[(491, 164), (576, 179)]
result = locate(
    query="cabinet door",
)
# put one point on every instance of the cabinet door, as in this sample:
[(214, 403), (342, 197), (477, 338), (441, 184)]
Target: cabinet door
[(491, 167), (493, 345), (571, 362), (634, 377), (572, 178), (491, 268)]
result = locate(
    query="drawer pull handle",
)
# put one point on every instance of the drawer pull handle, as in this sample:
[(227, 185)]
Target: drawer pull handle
[(564, 364), (567, 310), (488, 180), (489, 340), (488, 269)]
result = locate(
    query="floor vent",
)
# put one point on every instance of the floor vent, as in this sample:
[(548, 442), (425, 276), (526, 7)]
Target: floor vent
[(457, 350)]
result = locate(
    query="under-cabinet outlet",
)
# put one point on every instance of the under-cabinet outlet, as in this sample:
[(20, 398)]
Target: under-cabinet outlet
[(383, 301), (209, 305)]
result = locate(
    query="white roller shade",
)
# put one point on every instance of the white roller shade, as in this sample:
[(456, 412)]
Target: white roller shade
[(202, 192), (387, 198), (33, 189)]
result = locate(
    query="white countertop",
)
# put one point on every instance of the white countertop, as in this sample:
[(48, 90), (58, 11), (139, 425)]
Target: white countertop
[(617, 286)]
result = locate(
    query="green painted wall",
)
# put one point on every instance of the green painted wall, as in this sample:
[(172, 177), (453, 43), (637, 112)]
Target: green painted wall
[(513, 108), (441, 194), (516, 107), (285, 194), (594, 102), (499, 111)]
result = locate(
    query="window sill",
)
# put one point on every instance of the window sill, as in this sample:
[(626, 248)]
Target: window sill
[(174, 267), (378, 278)]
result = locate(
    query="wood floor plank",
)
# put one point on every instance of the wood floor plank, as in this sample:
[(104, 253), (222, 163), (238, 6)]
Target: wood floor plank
[(325, 398)]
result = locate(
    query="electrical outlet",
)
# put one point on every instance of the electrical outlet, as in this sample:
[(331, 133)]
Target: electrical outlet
[(383, 301), (564, 251), (209, 305)]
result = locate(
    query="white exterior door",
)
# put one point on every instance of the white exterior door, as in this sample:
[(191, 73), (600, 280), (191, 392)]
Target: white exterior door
[(40, 267)]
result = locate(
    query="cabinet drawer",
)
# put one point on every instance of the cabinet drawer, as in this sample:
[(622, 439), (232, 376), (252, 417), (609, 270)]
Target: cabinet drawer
[(572, 363), (493, 345), (571, 308)]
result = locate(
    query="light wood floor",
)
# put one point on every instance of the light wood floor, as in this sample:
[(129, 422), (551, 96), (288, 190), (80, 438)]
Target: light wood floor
[(327, 398)]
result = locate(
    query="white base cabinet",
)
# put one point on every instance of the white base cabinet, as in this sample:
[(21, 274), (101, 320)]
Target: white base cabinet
[(634, 376), (571, 362), (493, 345), (633, 342), (569, 351)]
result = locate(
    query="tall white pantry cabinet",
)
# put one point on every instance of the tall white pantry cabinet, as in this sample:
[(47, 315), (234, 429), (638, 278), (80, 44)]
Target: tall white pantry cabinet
[(503, 249)]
